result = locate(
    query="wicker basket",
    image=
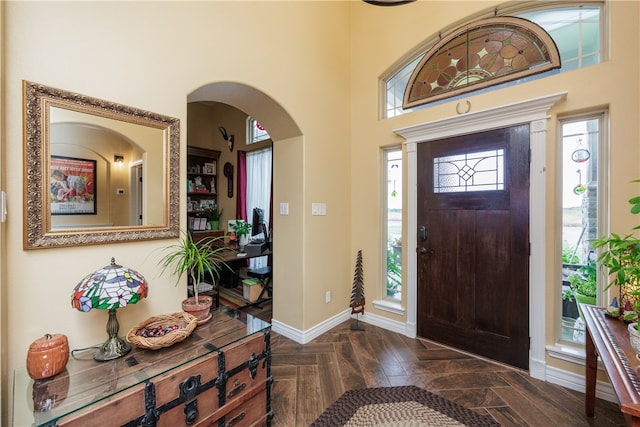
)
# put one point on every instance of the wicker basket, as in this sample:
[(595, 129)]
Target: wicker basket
[(154, 343)]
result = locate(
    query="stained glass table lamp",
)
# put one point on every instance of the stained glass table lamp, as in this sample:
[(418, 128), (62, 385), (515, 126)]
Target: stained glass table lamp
[(110, 288)]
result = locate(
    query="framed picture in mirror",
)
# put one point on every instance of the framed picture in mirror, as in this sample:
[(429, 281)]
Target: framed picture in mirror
[(72, 185)]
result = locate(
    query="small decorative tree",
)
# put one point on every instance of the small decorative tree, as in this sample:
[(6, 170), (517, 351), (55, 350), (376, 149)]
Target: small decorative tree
[(357, 294)]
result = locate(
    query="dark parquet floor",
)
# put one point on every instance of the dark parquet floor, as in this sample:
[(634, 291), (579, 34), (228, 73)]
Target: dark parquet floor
[(308, 378)]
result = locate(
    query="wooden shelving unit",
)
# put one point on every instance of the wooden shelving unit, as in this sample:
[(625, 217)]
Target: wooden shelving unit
[(202, 186)]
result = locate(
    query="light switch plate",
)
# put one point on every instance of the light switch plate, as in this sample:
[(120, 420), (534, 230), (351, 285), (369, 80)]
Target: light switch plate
[(318, 209), (284, 208)]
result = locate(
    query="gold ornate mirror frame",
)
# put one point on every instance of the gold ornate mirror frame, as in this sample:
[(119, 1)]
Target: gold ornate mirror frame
[(38, 100)]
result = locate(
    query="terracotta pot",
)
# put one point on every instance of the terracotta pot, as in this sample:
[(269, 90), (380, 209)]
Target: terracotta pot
[(47, 356), (201, 310)]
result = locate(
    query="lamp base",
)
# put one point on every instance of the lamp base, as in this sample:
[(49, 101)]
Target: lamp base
[(113, 348)]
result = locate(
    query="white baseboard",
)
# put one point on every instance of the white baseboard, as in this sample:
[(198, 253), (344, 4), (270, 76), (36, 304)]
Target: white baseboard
[(577, 382), (537, 368), (303, 337), (383, 322)]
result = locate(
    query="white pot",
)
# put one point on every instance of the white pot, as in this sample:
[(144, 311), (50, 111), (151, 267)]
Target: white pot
[(243, 241), (634, 337)]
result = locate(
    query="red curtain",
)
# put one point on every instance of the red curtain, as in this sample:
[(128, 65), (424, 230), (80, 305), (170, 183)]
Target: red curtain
[(241, 197)]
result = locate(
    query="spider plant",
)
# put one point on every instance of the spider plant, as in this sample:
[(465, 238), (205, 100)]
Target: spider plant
[(195, 258)]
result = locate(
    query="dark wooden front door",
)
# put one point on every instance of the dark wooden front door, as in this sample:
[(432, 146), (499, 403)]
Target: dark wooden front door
[(473, 243)]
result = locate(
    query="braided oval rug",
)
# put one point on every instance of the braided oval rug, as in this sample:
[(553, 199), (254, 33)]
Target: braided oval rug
[(406, 406)]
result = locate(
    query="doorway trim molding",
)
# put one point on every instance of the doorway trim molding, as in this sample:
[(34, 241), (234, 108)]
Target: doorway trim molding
[(534, 112)]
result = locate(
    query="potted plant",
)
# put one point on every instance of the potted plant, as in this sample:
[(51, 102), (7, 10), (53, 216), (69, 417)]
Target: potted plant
[(241, 228), (196, 259), (583, 285), (214, 215), (621, 258)]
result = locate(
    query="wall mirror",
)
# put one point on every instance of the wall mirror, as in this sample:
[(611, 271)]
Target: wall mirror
[(97, 172)]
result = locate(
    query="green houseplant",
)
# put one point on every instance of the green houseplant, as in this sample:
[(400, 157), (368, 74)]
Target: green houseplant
[(241, 228), (621, 259), (196, 259), (583, 285), (214, 215)]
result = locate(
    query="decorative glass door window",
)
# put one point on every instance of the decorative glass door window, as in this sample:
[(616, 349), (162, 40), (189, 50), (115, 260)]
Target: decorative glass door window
[(480, 171), (481, 54)]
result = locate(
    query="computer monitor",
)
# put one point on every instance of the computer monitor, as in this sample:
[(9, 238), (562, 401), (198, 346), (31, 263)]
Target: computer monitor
[(258, 225)]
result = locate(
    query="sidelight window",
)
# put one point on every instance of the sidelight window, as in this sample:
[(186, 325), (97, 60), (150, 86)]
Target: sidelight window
[(581, 145), (393, 232)]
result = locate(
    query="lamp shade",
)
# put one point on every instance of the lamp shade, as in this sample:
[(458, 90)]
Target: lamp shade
[(111, 287)]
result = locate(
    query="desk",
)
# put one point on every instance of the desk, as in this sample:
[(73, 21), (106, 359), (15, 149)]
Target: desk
[(609, 339), (219, 374), (234, 255), (229, 279)]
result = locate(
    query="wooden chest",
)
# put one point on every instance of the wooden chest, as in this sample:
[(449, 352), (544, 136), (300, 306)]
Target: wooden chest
[(219, 376)]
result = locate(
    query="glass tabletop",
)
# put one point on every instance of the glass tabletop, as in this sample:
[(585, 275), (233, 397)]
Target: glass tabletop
[(85, 381)]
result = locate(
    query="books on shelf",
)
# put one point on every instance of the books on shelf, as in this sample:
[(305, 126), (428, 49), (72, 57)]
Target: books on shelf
[(197, 224)]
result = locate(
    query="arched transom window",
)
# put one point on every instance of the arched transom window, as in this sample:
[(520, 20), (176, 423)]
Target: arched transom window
[(484, 53)]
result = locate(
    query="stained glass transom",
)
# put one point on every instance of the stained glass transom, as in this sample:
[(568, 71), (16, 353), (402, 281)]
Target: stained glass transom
[(486, 53), (480, 171)]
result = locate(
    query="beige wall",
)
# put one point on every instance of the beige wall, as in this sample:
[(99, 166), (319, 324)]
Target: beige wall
[(613, 84), (152, 57), (320, 61)]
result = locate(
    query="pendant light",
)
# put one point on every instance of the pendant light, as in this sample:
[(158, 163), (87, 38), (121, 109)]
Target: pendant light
[(388, 2)]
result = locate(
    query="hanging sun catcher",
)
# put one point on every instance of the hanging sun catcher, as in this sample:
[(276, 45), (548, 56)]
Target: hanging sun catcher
[(580, 154), (579, 189)]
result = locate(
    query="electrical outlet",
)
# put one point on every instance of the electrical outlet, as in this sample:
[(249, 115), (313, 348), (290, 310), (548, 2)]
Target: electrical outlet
[(327, 297)]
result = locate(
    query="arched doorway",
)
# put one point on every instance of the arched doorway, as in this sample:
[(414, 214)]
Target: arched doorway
[(283, 131), (253, 102)]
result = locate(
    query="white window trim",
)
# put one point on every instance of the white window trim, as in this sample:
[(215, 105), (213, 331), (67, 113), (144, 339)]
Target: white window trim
[(534, 112), (390, 306)]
